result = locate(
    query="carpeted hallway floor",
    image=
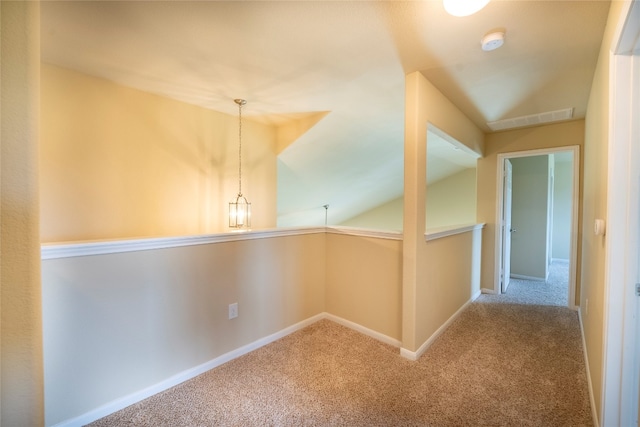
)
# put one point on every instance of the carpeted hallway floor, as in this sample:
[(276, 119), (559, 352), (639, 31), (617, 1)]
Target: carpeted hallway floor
[(501, 363), (553, 291)]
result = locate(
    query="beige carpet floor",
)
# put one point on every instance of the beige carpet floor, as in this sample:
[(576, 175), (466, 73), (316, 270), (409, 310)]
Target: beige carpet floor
[(499, 364), (553, 291)]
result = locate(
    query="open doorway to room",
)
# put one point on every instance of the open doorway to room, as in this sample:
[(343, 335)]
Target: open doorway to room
[(537, 226)]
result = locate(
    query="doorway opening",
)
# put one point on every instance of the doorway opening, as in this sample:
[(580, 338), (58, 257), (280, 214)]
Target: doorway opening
[(537, 225)]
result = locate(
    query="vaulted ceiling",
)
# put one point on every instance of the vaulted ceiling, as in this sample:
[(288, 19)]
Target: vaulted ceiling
[(340, 64)]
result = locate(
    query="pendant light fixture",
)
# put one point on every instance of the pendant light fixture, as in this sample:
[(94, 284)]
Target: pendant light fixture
[(240, 208)]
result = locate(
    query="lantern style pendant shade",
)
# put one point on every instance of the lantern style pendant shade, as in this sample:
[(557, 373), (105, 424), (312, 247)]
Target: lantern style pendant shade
[(240, 213), (240, 208)]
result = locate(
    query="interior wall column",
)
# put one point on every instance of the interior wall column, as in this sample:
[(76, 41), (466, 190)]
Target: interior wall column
[(425, 105), (21, 372), (415, 173)]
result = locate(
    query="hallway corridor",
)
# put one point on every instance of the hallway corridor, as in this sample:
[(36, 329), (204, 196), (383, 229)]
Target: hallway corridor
[(553, 291)]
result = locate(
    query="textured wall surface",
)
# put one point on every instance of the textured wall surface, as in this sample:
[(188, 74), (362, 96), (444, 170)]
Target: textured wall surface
[(594, 206), (364, 282), (450, 201), (425, 106), (121, 163), (20, 292), (116, 324)]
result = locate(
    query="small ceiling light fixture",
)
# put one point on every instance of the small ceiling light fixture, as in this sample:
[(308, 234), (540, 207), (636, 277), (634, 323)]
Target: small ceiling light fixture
[(463, 7), (240, 208), (492, 41)]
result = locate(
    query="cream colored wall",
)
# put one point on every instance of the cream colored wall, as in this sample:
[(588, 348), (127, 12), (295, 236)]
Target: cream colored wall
[(452, 201), (121, 163), (107, 146), (450, 280), (562, 210), (21, 374), (364, 282), (288, 132), (594, 206), (116, 324), (425, 105), (550, 136), (387, 216), (529, 216)]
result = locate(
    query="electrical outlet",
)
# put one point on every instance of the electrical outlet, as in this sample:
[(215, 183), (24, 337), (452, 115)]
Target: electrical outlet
[(233, 310), (586, 309)]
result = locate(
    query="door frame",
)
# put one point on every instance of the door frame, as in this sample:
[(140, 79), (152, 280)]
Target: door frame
[(505, 279), (575, 192), (621, 365)]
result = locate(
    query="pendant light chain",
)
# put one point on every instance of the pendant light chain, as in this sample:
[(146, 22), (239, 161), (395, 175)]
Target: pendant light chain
[(240, 103), (240, 208)]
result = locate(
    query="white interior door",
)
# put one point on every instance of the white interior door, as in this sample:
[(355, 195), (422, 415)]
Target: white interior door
[(550, 204), (636, 362), (506, 226)]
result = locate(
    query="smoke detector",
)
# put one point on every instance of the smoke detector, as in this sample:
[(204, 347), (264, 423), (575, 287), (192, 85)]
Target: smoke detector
[(492, 41)]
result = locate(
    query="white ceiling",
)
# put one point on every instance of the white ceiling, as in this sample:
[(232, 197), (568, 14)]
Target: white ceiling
[(349, 58)]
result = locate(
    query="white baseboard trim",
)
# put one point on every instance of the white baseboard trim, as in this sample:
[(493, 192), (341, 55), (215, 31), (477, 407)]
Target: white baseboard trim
[(523, 277), (183, 376), (188, 374), (594, 413), (363, 330), (488, 291), (415, 355)]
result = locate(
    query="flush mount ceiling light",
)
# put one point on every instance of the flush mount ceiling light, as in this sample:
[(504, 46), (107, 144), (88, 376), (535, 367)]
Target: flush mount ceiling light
[(463, 7), (240, 208), (492, 41)]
